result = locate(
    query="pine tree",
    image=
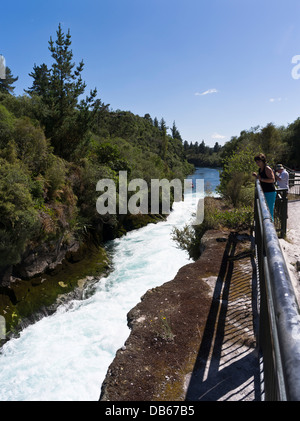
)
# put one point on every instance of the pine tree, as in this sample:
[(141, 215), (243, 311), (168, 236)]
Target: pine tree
[(41, 81), (164, 146), (163, 127), (66, 85), (185, 145), (202, 147), (6, 84), (60, 87), (175, 132), (217, 147)]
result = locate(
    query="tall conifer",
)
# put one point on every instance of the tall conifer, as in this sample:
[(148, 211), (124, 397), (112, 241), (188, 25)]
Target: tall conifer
[(60, 87), (6, 84)]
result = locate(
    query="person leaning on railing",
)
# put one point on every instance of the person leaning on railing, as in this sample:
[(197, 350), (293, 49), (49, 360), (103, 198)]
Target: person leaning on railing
[(267, 181)]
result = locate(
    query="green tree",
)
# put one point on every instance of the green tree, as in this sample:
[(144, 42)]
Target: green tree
[(66, 85), (163, 127), (175, 132), (293, 141), (202, 147), (155, 122), (41, 81), (6, 126), (6, 84), (217, 147), (236, 181), (60, 87), (19, 219), (32, 145), (271, 142), (164, 147), (185, 145), (147, 117)]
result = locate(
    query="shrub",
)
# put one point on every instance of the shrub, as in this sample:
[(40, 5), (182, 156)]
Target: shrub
[(6, 126), (31, 143), (216, 216), (19, 221), (55, 175), (236, 179)]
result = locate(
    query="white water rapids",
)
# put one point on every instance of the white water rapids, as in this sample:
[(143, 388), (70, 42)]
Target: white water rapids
[(65, 356)]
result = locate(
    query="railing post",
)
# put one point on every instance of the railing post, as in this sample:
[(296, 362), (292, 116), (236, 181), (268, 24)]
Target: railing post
[(281, 211), (284, 214)]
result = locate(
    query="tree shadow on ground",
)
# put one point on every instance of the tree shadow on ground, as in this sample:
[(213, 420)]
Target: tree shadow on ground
[(227, 366)]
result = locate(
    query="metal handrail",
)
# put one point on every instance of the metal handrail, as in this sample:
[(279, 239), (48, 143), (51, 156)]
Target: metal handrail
[(294, 184), (279, 331)]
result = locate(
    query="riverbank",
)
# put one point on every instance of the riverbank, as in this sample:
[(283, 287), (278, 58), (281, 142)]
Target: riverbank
[(172, 354), (46, 279), (78, 342), (25, 300), (161, 358)]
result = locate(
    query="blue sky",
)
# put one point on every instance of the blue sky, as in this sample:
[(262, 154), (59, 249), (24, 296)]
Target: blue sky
[(215, 67)]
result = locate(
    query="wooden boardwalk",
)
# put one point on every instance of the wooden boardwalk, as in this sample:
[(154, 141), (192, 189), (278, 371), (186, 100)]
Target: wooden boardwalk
[(228, 365), (291, 245)]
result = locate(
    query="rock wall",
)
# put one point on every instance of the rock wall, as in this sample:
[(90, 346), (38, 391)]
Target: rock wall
[(45, 279)]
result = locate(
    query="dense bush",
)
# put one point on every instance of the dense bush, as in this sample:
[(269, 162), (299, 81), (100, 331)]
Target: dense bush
[(19, 218), (217, 215), (236, 181), (46, 197)]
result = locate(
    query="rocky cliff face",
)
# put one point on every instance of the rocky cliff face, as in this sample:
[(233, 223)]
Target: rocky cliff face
[(46, 278), (166, 331)]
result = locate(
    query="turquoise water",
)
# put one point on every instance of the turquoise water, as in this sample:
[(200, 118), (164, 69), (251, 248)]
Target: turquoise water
[(65, 356)]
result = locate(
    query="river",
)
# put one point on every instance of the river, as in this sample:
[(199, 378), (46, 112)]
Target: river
[(65, 356)]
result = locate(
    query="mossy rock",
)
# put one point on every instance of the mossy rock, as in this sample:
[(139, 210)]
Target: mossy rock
[(27, 297), (132, 222)]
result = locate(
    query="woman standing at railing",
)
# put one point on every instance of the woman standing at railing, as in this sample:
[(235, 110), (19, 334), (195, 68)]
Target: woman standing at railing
[(267, 181)]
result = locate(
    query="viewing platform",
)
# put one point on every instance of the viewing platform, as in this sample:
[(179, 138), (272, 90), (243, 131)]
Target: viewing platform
[(291, 245), (231, 364), (234, 332)]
